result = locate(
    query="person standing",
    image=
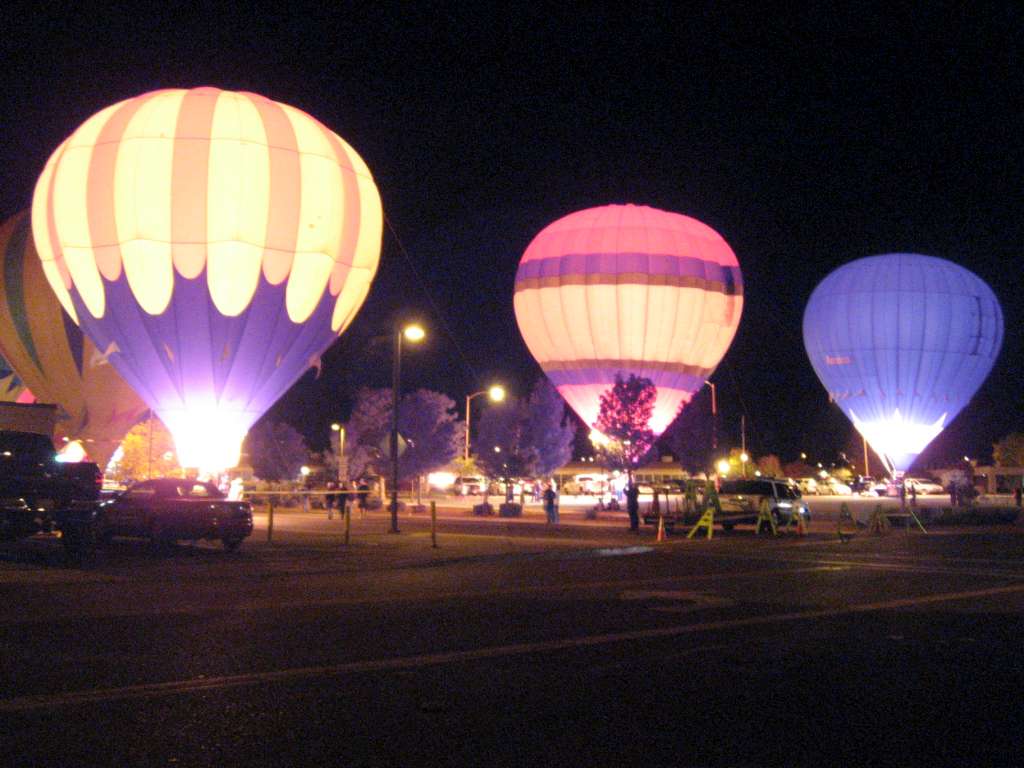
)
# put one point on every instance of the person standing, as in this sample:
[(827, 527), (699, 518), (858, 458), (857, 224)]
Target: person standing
[(362, 492), (633, 506), (329, 500), (550, 509)]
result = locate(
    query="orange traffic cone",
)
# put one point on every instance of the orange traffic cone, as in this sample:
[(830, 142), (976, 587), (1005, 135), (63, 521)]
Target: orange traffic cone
[(801, 528), (661, 528)]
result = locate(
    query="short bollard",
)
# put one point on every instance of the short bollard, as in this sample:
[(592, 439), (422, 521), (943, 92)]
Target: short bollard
[(433, 524), (348, 523), (270, 521)]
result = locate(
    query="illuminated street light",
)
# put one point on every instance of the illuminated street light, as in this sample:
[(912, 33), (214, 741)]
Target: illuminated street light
[(496, 393), (744, 458), (412, 332), (304, 470), (723, 467)]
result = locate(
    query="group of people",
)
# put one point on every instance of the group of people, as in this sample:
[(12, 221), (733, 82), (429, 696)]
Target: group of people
[(339, 494)]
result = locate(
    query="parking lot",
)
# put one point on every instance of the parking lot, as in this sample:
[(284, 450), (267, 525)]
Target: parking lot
[(514, 641)]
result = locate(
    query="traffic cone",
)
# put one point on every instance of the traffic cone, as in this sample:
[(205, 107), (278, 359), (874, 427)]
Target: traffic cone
[(801, 528), (661, 528)]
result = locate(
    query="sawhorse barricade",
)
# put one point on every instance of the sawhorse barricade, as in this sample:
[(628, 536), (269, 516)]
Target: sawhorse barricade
[(711, 506), (765, 518)]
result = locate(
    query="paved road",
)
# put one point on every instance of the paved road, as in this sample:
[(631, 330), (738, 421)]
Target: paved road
[(515, 643)]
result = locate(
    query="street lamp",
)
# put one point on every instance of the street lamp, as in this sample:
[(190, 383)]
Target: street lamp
[(496, 393), (744, 457), (714, 415), (338, 446), (413, 333)]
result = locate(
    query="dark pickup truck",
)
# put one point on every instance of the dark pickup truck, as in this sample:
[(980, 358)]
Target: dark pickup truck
[(39, 493)]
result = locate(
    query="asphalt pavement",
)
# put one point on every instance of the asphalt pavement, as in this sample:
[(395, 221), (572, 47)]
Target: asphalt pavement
[(516, 643)]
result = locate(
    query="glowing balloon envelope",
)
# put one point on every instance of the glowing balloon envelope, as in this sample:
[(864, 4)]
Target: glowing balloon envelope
[(901, 342), (11, 387), (626, 289), (213, 244), (52, 356)]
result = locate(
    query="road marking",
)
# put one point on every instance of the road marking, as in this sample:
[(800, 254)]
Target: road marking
[(184, 687)]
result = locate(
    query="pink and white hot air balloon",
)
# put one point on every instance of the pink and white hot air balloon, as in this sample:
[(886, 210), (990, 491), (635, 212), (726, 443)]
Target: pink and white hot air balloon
[(626, 289)]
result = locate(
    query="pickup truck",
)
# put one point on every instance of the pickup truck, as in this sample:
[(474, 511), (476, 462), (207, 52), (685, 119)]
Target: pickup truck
[(40, 494)]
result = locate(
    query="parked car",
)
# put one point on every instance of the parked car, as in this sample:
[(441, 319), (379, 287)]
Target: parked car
[(469, 485), (923, 486), (591, 484), (808, 486), (741, 500), (39, 493), (835, 487), (169, 509)]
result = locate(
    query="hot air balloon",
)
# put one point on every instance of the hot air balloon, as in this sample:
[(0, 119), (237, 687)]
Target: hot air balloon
[(626, 289), (901, 342), (213, 244), (11, 388), (51, 355)]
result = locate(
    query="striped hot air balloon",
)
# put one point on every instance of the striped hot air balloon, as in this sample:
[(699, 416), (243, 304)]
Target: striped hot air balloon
[(216, 242), (626, 289), (53, 358), (11, 388)]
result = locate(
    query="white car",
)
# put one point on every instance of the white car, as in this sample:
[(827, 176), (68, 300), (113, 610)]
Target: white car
[(470, 485), (923, 486), (808, 486), (837, 488)]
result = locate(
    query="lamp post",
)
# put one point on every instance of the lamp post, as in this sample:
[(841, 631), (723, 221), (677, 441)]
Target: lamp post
[(413, 333), (496, 394), (714, 415)]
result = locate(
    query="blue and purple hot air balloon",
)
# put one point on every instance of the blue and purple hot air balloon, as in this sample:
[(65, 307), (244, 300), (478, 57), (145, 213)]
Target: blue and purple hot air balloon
[(902, 342)]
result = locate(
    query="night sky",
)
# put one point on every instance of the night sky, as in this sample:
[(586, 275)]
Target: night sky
[(807, 140)]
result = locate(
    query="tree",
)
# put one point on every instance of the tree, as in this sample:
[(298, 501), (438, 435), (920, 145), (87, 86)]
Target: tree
[(427, 427), (146, 454), (690, 436), (505, 448), (366, 432), (1009, 452), (277, 450), (770, 466), (427, 421), (625, 414), (547, 429)]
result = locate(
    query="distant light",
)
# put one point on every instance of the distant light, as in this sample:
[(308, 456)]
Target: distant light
[(757, 473), (497, 449), (744, 457), (803, 455), (823, 474), (72, 453), (723, 467), (304, 471), (496, 393), (414, 332), (335, 427), (597, 438), (441, 480)]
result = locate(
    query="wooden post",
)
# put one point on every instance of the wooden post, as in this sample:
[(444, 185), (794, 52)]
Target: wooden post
[(270, 521), (348, 521), (433, 524)]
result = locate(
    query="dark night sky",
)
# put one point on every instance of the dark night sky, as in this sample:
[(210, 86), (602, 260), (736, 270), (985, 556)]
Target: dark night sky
[(807, 140)]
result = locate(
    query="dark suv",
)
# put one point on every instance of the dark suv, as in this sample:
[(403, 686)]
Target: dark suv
[(741, 499)]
